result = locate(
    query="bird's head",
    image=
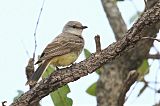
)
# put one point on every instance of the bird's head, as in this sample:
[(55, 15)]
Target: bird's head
[(74, 27)]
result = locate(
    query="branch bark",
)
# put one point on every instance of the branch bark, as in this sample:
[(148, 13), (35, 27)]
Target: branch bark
[(153, 56), (111, 80), (148, 20), (115, 18), (98, 43), (132, 77), (111, 73), (29, 72)]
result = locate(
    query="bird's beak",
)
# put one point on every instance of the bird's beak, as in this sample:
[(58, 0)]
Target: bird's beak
[(84, 27)]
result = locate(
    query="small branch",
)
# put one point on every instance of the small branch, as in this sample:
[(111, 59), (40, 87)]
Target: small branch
[(151, 3), (146, 5), (151, 38), (30, 69), (35, 41), (98, 49), (153, 56), (132, 77), (30, 66), (3, 103), (29, 72), (24, 47), (98, 43)]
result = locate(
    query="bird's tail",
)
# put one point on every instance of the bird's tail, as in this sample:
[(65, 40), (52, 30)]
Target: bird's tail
[(37, 74)]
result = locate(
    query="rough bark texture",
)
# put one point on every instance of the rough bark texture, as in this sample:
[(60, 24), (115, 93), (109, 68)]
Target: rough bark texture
[(29, 72), (153, 56), (148, 21), (131, 78), (115, 73)]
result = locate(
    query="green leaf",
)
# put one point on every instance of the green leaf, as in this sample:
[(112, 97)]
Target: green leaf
[(92, 89), (59, 97), (20, 92), (87, 54), (48, 71), (143, 69), (98, 71)]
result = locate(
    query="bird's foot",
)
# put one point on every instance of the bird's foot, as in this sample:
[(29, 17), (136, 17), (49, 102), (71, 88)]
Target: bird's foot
[(72, 63), (57, 68)]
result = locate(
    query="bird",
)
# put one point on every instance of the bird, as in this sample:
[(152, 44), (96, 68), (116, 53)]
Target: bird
[(62, 51)]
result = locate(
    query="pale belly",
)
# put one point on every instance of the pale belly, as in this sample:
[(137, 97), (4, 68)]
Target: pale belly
[(64, 60)]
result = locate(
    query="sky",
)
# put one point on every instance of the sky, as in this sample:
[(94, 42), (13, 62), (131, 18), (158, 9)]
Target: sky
[(17, 23)]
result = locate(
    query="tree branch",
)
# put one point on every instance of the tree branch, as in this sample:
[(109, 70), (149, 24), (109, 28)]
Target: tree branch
[(146, 5), (35, 31), (153, 56), (29, 72), (98, 43), (118, 69), (63, 76), (3, 103), (115, 18), (151, 38), (151, 3), (111, 70), (132, 77)]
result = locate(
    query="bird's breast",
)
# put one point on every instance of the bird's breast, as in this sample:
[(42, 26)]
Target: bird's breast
[(64, 60)]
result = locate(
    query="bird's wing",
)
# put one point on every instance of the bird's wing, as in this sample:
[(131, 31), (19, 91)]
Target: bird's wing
[(61, 45)]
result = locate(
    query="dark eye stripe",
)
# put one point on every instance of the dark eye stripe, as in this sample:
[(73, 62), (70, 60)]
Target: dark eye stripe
[(74, 26)]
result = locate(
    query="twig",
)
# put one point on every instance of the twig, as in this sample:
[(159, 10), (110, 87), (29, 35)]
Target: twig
[(151, 38), (156, 80), (153, 56), (25, 49), (3, 103), (146, 83), (30, 69), (132, 77), (153, 82), (155, 48), (35, 41), (131, 91), (146, 5), (98, 49), (30, 66), (29, 72), (98, 43)]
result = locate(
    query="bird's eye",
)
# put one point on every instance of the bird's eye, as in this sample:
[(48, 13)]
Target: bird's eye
[(74, 26)]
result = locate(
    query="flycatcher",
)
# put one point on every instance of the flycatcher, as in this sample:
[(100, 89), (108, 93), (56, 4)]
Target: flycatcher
[(62, 51)]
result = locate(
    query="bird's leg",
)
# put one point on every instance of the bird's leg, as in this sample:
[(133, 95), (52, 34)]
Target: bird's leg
[(57, 68)]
